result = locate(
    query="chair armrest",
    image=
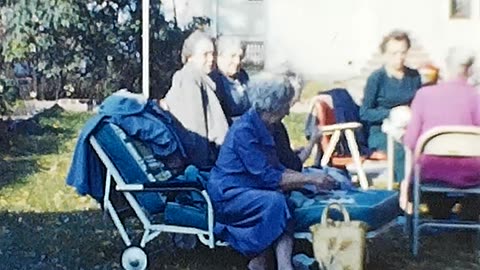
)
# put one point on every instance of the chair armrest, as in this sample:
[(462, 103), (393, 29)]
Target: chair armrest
[(170, 185), (340, 126)]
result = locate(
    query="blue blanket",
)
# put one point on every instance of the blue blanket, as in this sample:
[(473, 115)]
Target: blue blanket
[(140, 119)]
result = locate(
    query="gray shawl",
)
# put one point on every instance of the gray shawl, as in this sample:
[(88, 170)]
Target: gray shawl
[(192, 100)]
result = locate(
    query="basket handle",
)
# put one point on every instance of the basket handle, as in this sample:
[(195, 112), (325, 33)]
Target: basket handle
[(339, 207)]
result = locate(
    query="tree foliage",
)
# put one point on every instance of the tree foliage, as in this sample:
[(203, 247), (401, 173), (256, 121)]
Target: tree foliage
[(89, 48)]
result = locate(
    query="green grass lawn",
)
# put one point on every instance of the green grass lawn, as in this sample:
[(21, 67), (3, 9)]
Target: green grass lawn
[(45, 225), (33, 171)]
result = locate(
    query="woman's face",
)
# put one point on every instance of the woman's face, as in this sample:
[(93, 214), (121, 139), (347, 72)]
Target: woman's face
[(395, 53), (229, 61), (202, 56)]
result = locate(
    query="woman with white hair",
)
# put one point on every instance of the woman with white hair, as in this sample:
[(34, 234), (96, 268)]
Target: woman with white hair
[(248, 182), (193, 102), (230, 78), (429, 108)]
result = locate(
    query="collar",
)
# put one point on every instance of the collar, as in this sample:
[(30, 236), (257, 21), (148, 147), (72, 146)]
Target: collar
[(260, 128)]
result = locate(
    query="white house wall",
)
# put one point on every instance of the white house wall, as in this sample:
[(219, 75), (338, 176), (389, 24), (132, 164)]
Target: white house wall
[(338, 37), (241, 18)]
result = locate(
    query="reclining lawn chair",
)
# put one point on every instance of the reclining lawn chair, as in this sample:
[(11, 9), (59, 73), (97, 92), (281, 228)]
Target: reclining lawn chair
[(451, 141), (343, 144), (128, 172)]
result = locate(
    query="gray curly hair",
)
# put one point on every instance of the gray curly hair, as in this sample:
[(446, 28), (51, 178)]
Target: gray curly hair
[(270, 92)]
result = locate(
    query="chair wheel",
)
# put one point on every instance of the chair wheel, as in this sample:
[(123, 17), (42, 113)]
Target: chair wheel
[(134, 258)]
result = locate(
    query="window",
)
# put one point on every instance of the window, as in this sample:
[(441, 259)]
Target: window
[(460, 9)]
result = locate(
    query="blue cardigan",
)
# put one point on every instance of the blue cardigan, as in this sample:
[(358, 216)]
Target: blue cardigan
[(142, 120)]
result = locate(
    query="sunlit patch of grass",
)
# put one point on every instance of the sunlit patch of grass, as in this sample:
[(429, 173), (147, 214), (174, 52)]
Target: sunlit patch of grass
[(44, 190), (34, 167), (295, 123)]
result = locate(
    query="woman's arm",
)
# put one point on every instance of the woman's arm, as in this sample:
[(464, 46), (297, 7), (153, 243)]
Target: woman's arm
[(272, 177), (369, 111), (287, 156), (305, 152)]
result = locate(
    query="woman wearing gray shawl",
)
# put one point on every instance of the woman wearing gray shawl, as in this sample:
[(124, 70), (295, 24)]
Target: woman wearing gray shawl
[(193, 102)]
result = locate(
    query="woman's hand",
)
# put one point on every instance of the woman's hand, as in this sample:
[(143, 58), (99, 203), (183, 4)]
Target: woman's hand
[(295, 180), (324, 181)]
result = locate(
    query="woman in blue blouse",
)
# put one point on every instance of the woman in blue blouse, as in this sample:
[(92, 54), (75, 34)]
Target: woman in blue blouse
[(247, 183), (230, 78), (390, 86)]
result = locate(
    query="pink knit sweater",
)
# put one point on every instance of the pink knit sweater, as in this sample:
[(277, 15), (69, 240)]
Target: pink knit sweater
[(448, 103)]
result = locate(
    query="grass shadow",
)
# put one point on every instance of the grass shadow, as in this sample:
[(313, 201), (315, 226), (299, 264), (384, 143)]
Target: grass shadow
[(23, 143), (13, 170), (88, 240)]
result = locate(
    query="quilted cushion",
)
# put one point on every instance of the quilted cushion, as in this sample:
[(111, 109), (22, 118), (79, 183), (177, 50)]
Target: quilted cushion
[(374, 207), (131, 164)]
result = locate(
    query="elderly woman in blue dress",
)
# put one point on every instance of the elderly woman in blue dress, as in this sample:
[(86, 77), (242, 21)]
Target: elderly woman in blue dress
[(247, 183), (392, 85)]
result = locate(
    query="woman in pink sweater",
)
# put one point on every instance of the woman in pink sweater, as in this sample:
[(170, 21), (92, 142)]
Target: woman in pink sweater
[(452, 102)]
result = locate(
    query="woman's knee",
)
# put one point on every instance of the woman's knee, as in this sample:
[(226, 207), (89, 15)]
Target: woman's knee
[(275, 198)]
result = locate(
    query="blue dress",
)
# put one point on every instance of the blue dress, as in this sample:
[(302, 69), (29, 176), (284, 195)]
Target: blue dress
[(251, 212), (382, 93)]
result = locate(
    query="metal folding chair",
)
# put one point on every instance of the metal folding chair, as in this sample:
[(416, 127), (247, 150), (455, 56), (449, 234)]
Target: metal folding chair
[(451, 141)]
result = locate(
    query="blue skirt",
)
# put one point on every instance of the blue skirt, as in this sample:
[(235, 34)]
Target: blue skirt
[(252, 220)]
